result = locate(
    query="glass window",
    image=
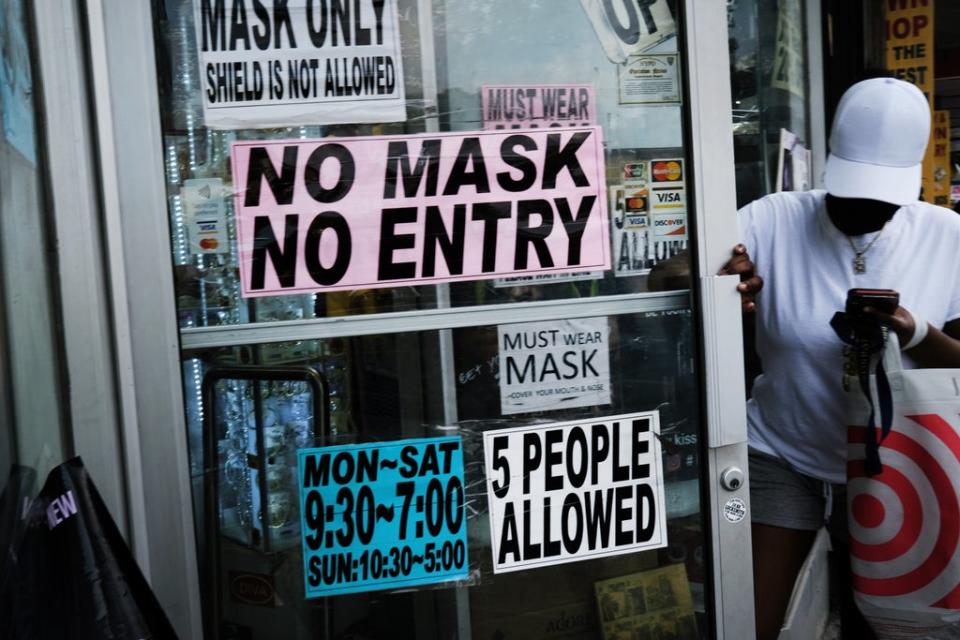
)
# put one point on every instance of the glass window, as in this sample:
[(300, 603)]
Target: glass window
[(32, 376), (478, 47), (385, 388), (254, 409), (769, 82)]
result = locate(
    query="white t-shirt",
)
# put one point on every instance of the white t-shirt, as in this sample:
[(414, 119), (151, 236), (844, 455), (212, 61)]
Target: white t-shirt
[(797, 408)]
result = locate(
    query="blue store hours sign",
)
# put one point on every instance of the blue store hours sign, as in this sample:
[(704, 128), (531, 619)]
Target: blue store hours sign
[(384, 515)]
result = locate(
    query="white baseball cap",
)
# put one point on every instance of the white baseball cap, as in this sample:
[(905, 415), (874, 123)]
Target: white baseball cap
[(878, 140)]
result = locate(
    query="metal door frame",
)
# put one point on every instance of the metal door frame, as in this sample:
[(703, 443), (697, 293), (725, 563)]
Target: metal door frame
[(714, 194), (126, 106), (137, 246)]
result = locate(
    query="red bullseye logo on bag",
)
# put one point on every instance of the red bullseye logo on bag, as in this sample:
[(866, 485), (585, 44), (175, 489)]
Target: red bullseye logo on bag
[(905, 521)]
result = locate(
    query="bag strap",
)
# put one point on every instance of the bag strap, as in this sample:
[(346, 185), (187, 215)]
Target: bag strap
[(892, 360), (869, 338)]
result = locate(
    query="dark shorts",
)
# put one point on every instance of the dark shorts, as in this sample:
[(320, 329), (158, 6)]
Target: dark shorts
[(781, 496)]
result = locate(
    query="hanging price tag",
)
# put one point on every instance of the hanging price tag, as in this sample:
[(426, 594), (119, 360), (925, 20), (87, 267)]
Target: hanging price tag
[(382, 515)]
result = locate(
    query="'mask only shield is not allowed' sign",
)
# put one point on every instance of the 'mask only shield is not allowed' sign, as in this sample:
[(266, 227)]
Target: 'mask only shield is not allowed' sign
[(572, 491), (366, 212), (292, 62)]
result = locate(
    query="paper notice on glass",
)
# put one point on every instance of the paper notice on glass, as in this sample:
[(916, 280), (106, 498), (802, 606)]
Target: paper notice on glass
[(793, 164), (650, 79), (299, 62), (629, 27), (788, 71), (941, 157), (631, 252), (366, 212), (571, 491), (382, 515), (546, 278), (205, 215), (519, 106), (629, 235), (554, 365), (649, 604)]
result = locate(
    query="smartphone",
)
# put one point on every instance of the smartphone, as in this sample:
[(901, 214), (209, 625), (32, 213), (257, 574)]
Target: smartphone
[(885, 300)]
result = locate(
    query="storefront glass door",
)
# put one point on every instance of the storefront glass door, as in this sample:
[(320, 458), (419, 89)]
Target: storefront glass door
[(436, 279)]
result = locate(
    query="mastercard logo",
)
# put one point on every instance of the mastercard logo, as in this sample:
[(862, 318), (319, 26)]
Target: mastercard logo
[(209, 243), (667, 171)]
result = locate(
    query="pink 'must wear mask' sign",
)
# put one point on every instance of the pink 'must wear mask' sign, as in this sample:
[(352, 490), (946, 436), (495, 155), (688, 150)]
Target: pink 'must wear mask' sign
[(356, 213), (515, 106)]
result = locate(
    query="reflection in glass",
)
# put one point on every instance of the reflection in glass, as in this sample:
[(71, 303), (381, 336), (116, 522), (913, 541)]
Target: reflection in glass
[(768, 78)]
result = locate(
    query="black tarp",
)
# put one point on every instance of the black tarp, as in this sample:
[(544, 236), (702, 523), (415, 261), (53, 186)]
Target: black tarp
[(67, 572)]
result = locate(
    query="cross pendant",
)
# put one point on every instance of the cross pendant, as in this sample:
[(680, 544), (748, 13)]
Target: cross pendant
[(859, 264)]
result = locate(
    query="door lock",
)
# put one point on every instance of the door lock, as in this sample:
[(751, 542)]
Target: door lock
[(732, 478)]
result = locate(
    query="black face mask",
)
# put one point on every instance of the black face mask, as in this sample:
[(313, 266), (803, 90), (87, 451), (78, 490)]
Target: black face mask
[(857, 216)]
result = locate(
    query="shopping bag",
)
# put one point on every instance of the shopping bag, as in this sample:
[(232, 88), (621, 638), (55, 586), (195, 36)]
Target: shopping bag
[(69, 573), (904, 517)]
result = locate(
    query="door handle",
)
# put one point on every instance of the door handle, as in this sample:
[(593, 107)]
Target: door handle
[(723, 361), (732, 478)]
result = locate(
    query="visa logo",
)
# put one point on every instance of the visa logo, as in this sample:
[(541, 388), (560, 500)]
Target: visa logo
[(669, 197)]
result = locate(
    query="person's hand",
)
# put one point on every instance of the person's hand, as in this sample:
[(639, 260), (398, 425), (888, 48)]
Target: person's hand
[(900, 322), (750, 283)]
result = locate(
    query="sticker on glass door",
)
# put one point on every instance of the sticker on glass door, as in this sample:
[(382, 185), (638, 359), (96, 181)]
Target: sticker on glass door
[(572, 491)]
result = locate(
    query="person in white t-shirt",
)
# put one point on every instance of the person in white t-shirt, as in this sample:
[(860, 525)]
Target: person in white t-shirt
[(800, 254)]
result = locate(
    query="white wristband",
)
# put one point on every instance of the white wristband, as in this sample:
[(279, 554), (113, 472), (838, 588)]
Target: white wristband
[(920, 328)]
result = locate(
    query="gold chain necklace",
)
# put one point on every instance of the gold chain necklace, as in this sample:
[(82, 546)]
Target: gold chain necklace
[(859, 261)]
